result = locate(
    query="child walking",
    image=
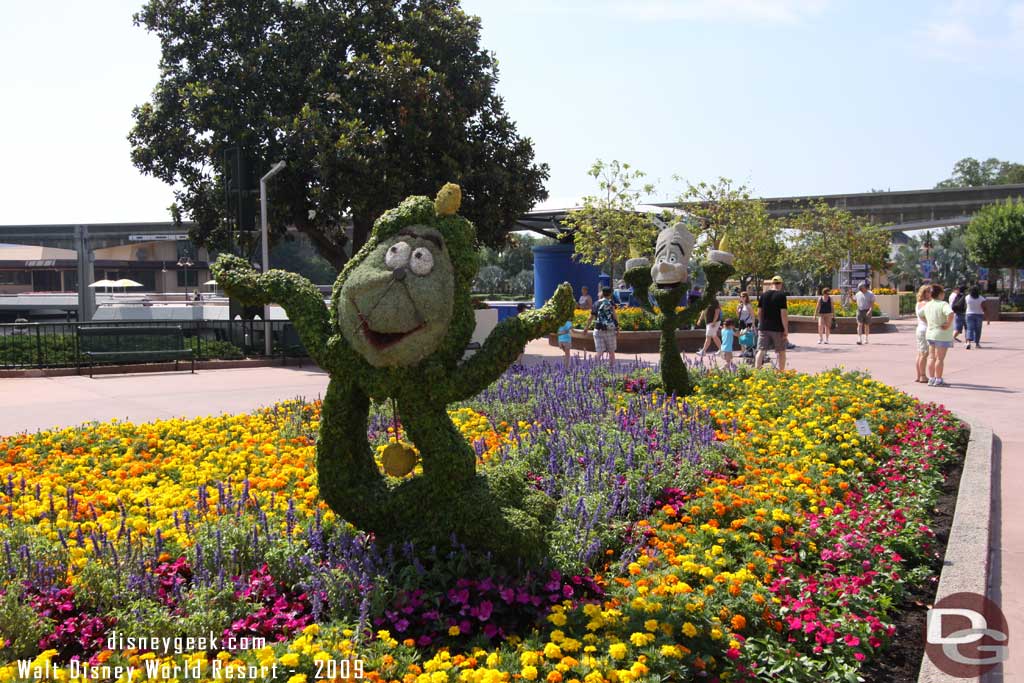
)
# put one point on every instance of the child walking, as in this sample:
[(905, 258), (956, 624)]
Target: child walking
[(728, 339)]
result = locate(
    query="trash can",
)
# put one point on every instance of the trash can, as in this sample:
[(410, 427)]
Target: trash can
[(990, 307)]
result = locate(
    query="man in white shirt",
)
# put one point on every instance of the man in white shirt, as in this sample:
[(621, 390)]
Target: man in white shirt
[(865, 301)]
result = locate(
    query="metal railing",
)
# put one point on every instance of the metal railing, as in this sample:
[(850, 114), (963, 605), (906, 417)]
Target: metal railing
[(55, 345)]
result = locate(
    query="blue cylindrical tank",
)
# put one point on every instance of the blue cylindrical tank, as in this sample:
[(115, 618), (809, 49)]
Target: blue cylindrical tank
[(554, 264)]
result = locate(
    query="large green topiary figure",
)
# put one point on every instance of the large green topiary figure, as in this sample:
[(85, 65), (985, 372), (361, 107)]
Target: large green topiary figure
[(666, 282), (398, 326)]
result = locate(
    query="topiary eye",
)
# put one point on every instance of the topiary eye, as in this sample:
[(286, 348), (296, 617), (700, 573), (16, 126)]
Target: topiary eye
[(397, 255), (422, 261)]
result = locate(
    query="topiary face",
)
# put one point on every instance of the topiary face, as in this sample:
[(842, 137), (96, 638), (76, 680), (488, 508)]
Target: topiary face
[(671, 254), (396, 305)]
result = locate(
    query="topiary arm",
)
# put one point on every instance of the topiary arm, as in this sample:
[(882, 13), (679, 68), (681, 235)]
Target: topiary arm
[(506, 342), (717, 273), (640, 280), (298, 296)]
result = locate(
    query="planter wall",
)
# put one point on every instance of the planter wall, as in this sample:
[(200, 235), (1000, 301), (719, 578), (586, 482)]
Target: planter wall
[(806, 323), (635, 342), (486, 321), (889, 304)]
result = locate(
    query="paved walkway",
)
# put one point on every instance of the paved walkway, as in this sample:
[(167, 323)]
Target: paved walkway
[(988, 386)]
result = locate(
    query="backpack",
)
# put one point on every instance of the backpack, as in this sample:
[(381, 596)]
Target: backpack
[(959, 305), (605, 317)]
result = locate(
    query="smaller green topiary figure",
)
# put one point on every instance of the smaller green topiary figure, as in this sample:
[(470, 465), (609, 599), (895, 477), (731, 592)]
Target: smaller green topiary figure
[(667, 282), (400, 319)]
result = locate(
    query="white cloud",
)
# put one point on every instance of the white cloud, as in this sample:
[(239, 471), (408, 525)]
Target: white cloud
[(973, 30)]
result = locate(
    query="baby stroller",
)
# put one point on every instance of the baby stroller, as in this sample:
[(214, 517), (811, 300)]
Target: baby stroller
[(748, 342), (748, 345)]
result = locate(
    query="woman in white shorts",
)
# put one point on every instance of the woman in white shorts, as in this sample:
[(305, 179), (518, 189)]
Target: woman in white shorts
[(712, 316), (924, 295)]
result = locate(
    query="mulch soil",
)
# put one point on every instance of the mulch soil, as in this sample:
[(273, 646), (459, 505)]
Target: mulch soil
[(901, 659)]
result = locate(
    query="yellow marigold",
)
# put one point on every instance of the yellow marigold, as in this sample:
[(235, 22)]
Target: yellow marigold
[(529, 673), (617, 650)]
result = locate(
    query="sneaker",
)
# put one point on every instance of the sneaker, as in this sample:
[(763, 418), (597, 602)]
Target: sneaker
[(940, 383), (859, 342), (968, 347), (826, 341), (820, 342), (931, 382)]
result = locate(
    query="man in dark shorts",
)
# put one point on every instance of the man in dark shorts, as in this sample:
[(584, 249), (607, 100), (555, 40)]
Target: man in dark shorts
[(773, 323)]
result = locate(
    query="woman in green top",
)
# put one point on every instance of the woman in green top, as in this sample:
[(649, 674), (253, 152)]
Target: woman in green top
[(939, 316)]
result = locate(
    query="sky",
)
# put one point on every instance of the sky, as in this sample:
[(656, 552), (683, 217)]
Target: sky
[(791, 97)]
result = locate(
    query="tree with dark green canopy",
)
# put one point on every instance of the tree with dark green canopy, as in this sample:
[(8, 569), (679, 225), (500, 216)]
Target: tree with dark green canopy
[(368, 102)]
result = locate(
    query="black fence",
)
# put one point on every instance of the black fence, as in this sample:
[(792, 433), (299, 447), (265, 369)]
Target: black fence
[(56, 345)]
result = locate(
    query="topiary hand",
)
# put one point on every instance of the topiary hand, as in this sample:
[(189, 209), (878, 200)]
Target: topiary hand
[(640, 280), (298, 296), (506, 342)]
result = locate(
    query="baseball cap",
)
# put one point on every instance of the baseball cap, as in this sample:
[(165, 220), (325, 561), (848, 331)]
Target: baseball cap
[(777, 280)]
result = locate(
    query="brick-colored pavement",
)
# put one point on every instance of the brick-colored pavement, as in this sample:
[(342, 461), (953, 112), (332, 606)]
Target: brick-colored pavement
[(987, 385)]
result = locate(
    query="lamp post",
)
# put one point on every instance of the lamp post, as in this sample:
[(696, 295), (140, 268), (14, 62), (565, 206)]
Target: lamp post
[(264, 236), (185, 262), (927, 244)]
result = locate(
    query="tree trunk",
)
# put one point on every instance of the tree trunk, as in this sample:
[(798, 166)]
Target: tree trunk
[(333, 252), (361, 225)]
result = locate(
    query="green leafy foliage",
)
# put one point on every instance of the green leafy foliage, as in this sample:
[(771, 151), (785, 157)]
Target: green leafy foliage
[(367, 103), (607, 227), (969, 172), (827, 236), (53, 350), (995, 237), (496, 512), (730, 218)]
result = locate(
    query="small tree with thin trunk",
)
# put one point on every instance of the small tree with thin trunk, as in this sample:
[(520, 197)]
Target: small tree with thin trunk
[(608, 227)]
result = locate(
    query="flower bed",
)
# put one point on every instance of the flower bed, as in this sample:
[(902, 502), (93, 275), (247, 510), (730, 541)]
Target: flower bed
[(746, 534)]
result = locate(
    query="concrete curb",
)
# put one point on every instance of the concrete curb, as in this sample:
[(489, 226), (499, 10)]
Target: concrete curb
[(967, 564)]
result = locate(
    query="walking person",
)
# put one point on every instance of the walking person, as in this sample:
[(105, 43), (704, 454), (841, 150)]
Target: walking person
[(975, 315), (958, 302), (565, 340), (823, 312), (728, 341), (924, 295), (865, 302), (773, 323), (606, 326), (939, 315), (745, 312), (712, 318)]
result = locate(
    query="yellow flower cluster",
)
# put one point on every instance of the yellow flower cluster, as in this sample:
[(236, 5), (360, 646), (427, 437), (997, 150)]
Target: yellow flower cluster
[(115, 475)]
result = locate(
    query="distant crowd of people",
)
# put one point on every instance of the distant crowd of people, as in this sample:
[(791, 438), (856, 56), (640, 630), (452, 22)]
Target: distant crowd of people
[(752, 334)]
